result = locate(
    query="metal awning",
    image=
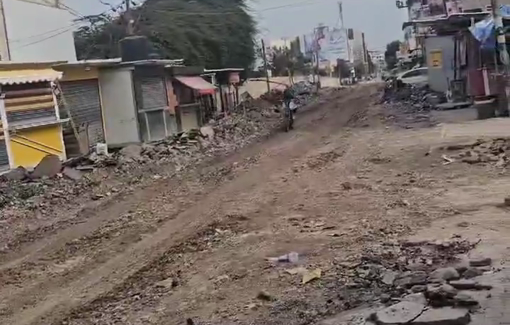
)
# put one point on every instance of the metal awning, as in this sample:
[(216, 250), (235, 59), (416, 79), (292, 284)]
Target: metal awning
[(203, 87), (28, 76)]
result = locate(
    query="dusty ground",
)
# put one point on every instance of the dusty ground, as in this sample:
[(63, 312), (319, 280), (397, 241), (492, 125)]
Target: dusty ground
[(349, 177)]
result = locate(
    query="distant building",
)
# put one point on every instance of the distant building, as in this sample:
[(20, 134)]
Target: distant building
[(36, 30)]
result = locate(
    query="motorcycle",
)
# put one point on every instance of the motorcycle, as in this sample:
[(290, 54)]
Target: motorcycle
[(289, 110)]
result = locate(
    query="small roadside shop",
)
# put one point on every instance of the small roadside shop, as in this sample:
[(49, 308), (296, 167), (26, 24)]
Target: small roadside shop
[(30, 120)]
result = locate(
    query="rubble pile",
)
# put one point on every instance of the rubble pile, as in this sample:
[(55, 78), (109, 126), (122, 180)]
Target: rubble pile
[(411, 99), (493, 151), (420, 281), (59, 183)]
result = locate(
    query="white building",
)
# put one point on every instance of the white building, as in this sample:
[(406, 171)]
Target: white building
[(36, 30)]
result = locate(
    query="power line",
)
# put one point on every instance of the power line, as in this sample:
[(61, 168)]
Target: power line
[(59, 31), (44, 39)]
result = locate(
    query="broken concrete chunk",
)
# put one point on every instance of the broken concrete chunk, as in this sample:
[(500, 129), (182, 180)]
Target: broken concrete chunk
[(464, 299), (419, 288), (17, 174), (440, 291), (389, 277), (443, 316), (418, 298), (72, 173), (132, 151), (410, 279), (49, 166), (445, 274), (402, 313), (207, 132), (167, 283), (464, 284), (472, 272), (480, 261)]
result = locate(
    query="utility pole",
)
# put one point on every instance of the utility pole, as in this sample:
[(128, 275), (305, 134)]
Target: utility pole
[(265, 66), (316, 49), (342, 26)]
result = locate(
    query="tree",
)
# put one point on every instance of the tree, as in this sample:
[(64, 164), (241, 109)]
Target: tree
[(390, 56), (211, 33)]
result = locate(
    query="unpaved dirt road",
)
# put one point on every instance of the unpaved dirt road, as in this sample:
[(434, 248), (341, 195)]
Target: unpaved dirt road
[(197, 248)]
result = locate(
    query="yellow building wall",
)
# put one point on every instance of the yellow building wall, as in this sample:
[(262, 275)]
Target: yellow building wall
[(29, 146), (75, 74)]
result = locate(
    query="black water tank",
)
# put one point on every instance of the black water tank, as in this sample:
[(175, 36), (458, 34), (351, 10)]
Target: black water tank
[(134, 48)]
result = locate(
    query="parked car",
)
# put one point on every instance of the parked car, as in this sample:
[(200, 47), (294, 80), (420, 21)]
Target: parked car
[(417, 77)]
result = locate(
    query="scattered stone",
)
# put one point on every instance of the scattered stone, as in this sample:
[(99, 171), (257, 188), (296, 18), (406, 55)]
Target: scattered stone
[(443, 316), (132, 151), (384, 298), (17, 174), (347, 186), (49, 166), (464, 299), (207, 132), (440, 293), (402, 313), (463, 224), (413, 243), (389, 277), (312, 275), (72, 173), (472, 272), (480, 261), (419, 288), (464, 284), (445, 274), (418, 298), (262, 295), (410, 279), (169, 283)]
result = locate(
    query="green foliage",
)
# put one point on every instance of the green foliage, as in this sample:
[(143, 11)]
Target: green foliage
[(211, 33)]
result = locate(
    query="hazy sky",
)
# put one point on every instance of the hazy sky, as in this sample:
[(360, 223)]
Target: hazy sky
[(379, 19)]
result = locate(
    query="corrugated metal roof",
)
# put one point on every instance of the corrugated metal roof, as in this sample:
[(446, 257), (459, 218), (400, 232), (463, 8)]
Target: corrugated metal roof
[(198, 83), (30, 76), (88, 63)]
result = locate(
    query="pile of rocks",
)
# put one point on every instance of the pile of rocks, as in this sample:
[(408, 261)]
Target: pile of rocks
[(494, 151), (420, 288), (409, 99)]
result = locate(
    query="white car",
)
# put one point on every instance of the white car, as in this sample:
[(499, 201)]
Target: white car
[(417, 77)]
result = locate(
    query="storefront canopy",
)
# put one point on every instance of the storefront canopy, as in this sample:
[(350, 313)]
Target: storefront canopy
[(199, 84)]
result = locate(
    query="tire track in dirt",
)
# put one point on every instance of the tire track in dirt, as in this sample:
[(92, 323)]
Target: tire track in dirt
[(108, 274)]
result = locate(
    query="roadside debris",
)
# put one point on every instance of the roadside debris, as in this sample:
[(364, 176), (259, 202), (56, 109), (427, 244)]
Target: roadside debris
[(104, 173), (490, 151), (312, 275), (291, 257)]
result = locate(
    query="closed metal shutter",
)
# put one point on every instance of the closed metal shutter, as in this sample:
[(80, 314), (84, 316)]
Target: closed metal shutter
[(33, 115), (4, 156), (84, 103), (153, 93)]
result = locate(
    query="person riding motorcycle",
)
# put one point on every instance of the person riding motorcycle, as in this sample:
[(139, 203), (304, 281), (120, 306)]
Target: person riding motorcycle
[(288, 96)]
